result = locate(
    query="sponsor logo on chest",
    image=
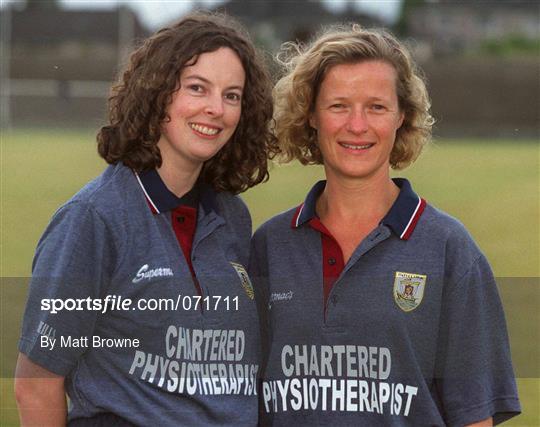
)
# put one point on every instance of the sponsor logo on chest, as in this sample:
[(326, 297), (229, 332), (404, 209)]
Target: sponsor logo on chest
[(145, 273), (281, 296)]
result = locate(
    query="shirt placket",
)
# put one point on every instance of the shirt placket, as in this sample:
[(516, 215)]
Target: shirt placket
[(332, 260), (184, 223), (202, 256), (334, 267)]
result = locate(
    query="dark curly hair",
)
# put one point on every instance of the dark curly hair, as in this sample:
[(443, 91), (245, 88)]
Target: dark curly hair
[(139, 101)]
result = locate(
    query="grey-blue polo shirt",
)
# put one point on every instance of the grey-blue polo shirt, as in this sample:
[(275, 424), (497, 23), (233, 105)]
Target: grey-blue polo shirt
[(413, 332), (167, 361)]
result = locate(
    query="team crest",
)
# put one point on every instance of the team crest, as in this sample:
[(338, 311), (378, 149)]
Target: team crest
[(409, 290), (244, 278)]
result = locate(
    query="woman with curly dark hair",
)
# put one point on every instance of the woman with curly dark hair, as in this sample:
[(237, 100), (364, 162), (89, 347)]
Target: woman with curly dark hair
[(140, 308)]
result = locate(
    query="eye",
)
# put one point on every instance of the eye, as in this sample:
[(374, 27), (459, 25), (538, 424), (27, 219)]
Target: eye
[(338, 106), (233, 96), (195, 88), (378, 107)]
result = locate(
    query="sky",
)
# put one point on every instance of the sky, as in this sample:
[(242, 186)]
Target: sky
[(154, 13)]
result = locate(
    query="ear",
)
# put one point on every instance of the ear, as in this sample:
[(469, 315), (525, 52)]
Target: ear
[(312, 121), (401, 119)]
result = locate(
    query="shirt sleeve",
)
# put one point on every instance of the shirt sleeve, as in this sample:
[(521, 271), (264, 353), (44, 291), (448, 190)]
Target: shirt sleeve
[(474, 374), (69, 272), (258, 271)]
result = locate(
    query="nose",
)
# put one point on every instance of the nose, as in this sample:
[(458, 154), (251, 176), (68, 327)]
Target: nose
[(358, 121), (214, 106)]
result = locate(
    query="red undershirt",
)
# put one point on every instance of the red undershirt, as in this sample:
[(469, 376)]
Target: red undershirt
[(332, 257), (184, 222)]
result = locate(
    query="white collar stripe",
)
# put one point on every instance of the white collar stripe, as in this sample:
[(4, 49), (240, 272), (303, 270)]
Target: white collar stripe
[(299, 214), (146, 194), (412, 218)]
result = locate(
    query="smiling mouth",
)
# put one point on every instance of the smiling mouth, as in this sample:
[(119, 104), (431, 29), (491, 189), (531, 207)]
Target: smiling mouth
[(356, 146), (205, 130)]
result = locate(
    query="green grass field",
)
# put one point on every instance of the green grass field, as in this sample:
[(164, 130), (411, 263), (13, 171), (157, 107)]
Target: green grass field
[(492, 187)]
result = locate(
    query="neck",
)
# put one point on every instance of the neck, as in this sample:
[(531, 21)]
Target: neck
[(178, 173), (178, 180), (354, 200)]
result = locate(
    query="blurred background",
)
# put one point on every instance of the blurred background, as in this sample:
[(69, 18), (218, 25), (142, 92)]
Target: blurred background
[(482, 64), (481, 58)]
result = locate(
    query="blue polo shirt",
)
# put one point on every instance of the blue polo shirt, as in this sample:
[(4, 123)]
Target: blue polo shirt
[(113, 305), (413, 331)]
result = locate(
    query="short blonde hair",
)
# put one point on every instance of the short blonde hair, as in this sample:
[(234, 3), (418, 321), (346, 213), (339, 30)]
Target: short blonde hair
[(305, 68)]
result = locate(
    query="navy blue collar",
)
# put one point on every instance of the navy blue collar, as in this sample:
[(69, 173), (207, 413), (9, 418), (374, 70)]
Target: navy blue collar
[(163, 200), (401, 218)]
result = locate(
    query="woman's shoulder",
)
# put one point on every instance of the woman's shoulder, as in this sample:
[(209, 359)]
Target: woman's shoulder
[(441, 221), (104, 200), (278, 224), (108, 190), (445, 229)]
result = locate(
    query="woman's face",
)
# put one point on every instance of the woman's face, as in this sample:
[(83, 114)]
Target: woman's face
[(205, 111), (356, 116)]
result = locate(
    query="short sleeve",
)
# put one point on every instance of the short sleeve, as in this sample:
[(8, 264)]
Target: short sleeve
[(70, 271), (474, 374)]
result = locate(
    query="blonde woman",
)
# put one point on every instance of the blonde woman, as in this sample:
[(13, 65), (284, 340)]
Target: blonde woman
[(380, 309)]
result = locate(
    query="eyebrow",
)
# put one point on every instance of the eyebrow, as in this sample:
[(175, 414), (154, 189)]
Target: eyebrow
[(346, 98), (204, 80)]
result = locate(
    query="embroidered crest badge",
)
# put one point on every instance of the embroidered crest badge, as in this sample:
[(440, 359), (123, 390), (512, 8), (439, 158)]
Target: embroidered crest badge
[(409, 290), (244, 278)]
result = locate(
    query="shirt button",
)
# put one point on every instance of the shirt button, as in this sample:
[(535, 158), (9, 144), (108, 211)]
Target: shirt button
[(180, 219), (331, 261), (376, 236), (335, 299)]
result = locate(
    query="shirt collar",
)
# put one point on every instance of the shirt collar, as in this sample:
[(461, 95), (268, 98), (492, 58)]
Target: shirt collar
[(306, 210), (406, 210), (161, 199), (401, 218)]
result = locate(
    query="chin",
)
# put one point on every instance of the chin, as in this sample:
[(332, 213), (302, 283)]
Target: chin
[(204, 155), (207, 152), (355, 172), (362, 169)]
